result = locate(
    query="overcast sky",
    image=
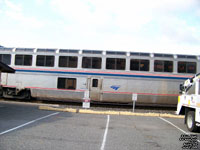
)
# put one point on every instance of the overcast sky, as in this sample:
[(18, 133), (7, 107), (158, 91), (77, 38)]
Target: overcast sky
[(164, 26)]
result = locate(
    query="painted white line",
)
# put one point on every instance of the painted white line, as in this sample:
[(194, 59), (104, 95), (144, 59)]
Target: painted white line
[(176, 127), (4, 132), (105, 133)]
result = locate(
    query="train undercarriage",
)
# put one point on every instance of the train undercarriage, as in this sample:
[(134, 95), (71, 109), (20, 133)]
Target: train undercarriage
[(15, 93)]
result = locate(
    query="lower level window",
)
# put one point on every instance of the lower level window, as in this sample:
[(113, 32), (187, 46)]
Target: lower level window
[(95, 83), (66, 83)]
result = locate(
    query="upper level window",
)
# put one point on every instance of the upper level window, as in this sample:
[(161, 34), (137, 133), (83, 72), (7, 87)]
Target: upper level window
[(139, 65), (163, 66), (43, 60), (186, 67), (115, 63), (91, 62), (23, 60), (5, 58), (68, 61)]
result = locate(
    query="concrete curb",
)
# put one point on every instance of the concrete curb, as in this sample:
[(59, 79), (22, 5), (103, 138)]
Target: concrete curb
[(58, 109), (89, 111)]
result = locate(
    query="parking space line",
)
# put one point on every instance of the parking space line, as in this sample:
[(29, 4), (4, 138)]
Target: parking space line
[(173, 125), (20, 126), (105, 133), (176, 127)]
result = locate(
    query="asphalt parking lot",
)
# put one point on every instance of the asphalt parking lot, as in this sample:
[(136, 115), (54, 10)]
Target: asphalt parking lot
[(25, 127)]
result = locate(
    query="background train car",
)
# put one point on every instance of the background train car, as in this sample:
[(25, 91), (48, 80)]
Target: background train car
[(110, 76)]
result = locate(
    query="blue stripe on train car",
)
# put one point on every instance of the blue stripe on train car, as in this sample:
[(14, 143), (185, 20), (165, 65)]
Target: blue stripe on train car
[(103, 74)]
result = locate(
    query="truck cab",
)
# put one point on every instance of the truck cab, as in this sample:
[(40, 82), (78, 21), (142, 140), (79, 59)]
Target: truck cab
[(189, 103)]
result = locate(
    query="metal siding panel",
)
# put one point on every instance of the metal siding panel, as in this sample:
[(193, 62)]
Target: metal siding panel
[(114, 97), (57, 94)]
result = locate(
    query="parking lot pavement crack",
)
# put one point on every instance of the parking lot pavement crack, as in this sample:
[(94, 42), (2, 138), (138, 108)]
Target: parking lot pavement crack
[(154, 144)]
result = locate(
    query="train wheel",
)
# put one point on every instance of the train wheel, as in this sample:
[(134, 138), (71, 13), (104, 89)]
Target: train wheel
[(11, 93), (190, 121)]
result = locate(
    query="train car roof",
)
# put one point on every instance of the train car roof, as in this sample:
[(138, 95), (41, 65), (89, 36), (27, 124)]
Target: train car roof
[(100, 52), (6, 68)]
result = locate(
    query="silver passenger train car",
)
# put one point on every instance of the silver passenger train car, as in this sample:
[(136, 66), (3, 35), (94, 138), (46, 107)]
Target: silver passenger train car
[(110, 76)]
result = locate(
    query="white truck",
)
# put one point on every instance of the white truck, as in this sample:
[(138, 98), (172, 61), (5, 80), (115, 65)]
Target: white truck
[(189, 102)]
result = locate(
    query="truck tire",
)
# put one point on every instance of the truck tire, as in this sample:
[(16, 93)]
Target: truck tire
[(190, 121)]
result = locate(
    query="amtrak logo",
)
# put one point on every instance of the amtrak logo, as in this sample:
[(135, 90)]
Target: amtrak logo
[(115, 87)]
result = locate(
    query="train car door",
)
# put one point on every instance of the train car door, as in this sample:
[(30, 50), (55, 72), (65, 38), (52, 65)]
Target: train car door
[(95, 87)]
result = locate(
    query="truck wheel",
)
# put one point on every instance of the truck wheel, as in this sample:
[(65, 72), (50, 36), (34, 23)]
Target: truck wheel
[(190, 121)]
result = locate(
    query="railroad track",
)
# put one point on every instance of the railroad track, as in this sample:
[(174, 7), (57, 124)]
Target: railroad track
[(103, 106)]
